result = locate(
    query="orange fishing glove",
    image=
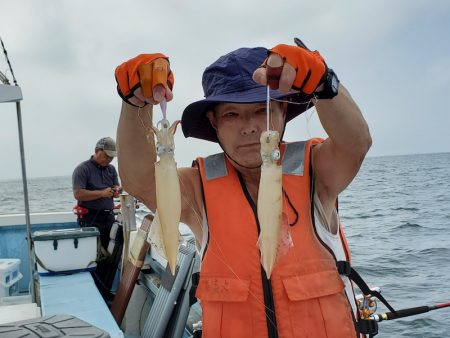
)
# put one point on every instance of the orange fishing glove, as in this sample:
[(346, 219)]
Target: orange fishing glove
[(145, 71), (309, 65)]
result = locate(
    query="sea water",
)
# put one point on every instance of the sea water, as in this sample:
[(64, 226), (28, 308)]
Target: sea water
[(396, 215)]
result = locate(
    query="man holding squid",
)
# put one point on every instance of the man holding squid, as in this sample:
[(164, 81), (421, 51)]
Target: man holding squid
[(298, 291)]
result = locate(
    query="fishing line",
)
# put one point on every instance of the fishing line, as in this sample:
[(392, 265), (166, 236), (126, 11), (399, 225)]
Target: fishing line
[(221, 254), (147, 129), (293, 102), (308, 105), (268, 108), (190, 204)]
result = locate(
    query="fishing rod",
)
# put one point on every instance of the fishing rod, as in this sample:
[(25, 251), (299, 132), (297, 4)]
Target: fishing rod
[(407, 312)]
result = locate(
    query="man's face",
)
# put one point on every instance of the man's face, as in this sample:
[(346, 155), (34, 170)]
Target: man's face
[(101, 157), (239, 127)]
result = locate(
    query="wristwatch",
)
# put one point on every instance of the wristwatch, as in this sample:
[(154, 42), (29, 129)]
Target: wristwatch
[(330, 86)]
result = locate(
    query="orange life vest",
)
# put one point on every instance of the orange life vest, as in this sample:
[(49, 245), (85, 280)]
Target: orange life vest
[(305, 297)]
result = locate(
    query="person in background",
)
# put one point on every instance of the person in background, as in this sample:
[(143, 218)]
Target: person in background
[(307, 295), (95, 183)]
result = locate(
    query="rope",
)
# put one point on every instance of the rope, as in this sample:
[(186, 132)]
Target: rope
[(9, 63)]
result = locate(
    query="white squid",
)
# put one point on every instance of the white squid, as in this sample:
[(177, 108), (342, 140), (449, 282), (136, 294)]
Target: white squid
[(168, 195), (269, 200)]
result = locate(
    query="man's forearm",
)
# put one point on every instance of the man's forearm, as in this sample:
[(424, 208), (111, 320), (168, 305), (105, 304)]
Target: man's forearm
[(344, 123), (84, 195), (136, 153)]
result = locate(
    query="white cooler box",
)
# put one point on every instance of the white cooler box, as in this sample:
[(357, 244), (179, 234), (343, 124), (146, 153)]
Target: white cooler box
[(9, 277), (65, 250)]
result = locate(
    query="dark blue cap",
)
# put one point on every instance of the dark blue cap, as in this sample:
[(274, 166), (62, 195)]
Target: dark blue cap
[(229, 79)]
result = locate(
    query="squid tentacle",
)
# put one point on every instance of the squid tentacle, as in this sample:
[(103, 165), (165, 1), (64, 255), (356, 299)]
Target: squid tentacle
[(168, 195)]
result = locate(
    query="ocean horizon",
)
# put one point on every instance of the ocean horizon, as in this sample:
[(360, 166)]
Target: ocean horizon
[(367, 157)]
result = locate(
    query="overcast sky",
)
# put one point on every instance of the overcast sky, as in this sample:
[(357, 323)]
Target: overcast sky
[(393, 56)]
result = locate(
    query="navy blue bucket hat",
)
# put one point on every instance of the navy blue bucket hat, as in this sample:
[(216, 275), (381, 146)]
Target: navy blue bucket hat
[(229, 79)]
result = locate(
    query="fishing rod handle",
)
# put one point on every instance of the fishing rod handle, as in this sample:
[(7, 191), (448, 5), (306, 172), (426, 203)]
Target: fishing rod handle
[(401, 313)]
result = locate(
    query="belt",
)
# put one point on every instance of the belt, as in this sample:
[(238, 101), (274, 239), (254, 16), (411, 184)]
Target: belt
[(99, 211)]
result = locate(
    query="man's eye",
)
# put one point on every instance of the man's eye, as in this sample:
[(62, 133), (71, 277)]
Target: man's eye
[(229, 114)]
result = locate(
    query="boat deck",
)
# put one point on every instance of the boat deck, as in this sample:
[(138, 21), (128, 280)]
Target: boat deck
[(77, 295)]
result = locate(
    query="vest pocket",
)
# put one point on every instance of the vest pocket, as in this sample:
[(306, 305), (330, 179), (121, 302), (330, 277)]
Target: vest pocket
[(225, 309), (318, 306)]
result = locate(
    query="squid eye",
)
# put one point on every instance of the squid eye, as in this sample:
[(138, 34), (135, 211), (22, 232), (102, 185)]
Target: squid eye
[(276, 154)]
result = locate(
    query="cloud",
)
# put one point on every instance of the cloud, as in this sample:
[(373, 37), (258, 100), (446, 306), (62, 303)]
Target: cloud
[(392, 56)]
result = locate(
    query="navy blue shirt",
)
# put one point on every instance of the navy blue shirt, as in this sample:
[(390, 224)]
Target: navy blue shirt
[(90, 175)]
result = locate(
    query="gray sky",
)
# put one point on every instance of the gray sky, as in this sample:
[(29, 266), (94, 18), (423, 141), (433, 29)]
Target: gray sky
[(393, 56)]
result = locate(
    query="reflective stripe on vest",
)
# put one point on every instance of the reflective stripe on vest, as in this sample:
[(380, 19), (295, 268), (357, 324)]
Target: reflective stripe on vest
[(215, 166), (292, 162)]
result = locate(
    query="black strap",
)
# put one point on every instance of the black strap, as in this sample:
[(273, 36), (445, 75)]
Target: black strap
[(52, 272), (344, 268)]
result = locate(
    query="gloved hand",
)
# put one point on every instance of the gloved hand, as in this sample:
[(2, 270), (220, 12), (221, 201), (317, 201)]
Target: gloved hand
[(146, 78), (292, 67)]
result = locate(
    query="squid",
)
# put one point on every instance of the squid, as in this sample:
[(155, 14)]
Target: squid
[(269, 200), (168, 195)]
